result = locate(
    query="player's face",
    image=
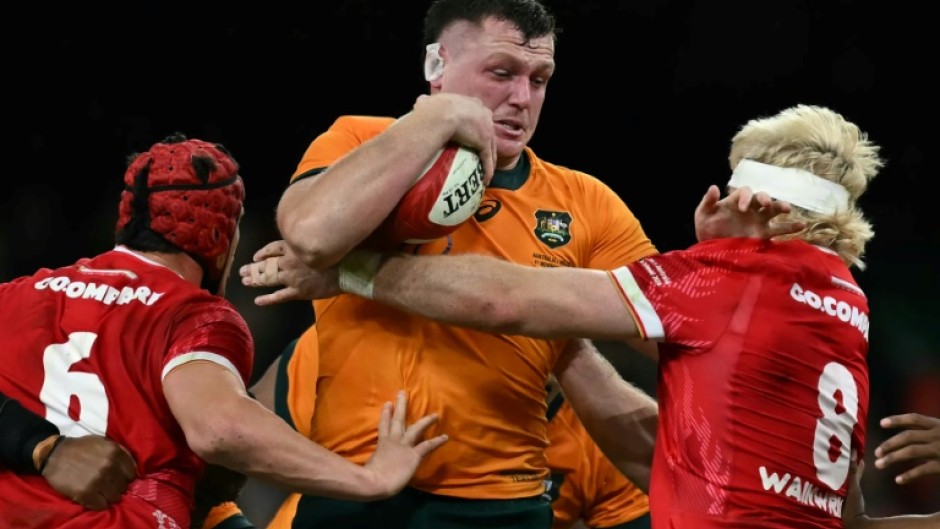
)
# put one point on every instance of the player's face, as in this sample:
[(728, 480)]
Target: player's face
[(509, 75), (231, 257)]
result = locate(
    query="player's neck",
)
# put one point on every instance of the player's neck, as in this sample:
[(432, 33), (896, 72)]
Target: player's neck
[(181, 263)]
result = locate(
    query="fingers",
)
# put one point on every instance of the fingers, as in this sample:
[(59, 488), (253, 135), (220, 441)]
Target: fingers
[(264, 273), (856, 466), (924, 469), (854, 505), (385, 419), (416, 430), (264, 270), (920, 441), (126, 464), (488, 159), (910, 449), (710, 199), (272, 249), (745, 199), (426, 447), (399, 415), (899, 441), (278, 296), (111, 492), (776, 229), (93, 502), (910, 420)]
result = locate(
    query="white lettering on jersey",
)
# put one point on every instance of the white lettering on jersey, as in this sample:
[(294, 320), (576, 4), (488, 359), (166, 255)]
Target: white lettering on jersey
[(656, 271), (833, 307), (102, 293), (164, 521), (802, 490)]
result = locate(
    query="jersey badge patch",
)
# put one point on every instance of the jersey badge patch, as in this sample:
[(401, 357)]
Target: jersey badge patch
[(553, 227)]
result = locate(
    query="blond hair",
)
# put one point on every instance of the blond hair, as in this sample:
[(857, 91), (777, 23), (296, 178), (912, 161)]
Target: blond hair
[(821, 141)]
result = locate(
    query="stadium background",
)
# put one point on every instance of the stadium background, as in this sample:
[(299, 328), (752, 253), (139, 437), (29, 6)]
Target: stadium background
[(646, 96)]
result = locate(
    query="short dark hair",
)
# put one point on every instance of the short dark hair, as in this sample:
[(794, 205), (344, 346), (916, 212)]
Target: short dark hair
[(530, 16)]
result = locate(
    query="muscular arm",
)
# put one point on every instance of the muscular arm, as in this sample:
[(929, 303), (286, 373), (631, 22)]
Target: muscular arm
[(225, 426), (264, 388), (497, 296), (324, 217), (621, 419)]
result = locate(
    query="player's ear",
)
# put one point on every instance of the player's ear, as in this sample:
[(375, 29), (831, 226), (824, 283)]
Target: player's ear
[(433, 62)]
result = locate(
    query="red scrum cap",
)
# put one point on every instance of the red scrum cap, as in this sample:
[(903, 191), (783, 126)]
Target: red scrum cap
[(188, 193)]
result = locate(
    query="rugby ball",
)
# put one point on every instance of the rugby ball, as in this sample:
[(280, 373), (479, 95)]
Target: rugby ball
[(446, 193)]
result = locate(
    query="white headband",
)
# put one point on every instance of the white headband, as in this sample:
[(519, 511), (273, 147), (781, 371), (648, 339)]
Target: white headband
[(796, 186)]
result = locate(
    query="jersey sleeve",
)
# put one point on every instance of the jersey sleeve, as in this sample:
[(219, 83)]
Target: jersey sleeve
[(684, 297), (620, 239), (344, 135), (211, 331)]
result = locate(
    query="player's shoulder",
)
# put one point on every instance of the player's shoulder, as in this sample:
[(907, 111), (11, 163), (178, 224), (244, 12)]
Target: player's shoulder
[(553, 169), (577, 182), (362, 124), (730, 253), (203, 304)]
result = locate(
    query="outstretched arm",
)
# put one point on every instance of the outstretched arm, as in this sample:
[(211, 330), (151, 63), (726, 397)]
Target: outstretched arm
[(494, 295), (621, 419), (323, 217), (469, 290), (241, 434)]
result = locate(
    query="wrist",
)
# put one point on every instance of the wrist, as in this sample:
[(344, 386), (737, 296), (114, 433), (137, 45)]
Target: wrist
[(372, 487), (21, 431), (357, 272), (43, 451)]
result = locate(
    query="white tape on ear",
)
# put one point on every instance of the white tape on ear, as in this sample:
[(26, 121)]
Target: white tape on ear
[(433, 63)]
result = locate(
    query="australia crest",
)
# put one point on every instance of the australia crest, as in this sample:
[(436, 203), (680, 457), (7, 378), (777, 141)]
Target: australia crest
[(553, 227)]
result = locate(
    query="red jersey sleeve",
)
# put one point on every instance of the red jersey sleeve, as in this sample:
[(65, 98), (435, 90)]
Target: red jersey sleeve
[(212, 331), (677, 296)]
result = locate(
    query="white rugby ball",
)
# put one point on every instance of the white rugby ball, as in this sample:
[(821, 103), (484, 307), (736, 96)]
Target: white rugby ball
[(446, 193)]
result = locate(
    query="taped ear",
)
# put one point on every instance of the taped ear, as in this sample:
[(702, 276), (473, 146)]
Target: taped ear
[(433, 63)]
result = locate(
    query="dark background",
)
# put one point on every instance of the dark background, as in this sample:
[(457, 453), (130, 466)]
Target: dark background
[(646, 96)]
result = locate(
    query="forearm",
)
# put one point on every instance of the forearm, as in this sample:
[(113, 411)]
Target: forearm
[(314, 214), (225, 426), (25, 437), (249, 439), (497, 296), (620, 418), (927, 521)]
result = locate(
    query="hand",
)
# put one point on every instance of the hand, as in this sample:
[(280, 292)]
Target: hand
[(399, 451), (216, 486), (275, 265), (741, 214), (921, 441), (853, 510), (93, 471), (474, 124)]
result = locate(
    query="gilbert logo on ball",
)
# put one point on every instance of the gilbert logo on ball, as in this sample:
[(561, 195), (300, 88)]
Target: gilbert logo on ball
[(446, 193)]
